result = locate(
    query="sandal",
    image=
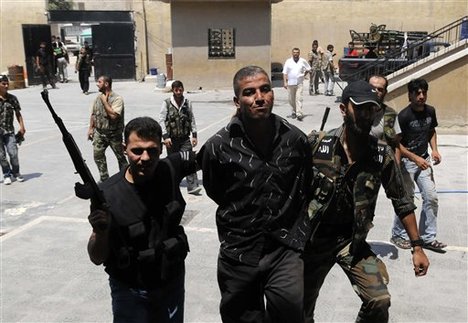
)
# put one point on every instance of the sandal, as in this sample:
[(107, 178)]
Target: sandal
[(401, 243), (436, 246)]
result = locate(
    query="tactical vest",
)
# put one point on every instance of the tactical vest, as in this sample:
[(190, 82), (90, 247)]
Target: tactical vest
[(178, 122), (102, 122), (389, 118), (344, 196), (147, 250), (59, 51)]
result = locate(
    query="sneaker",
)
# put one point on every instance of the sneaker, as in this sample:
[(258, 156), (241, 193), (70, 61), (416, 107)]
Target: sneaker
[(293, 116), (435, 246), (300, 117), (401, 243), (195, 191), (7, 181), (19, 178)]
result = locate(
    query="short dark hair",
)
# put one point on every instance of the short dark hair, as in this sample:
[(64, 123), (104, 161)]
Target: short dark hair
[(177, 83), (330, 46), (145, 127), (107, 79), (246, 72), (417, 84), (4, 78), (380, 77)]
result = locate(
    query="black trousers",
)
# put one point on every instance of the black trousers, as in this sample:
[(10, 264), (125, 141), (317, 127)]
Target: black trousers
[(83, 76), (278, 278)]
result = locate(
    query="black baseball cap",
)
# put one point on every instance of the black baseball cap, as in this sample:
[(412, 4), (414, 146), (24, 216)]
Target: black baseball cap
[(4, 78), (359, 92)]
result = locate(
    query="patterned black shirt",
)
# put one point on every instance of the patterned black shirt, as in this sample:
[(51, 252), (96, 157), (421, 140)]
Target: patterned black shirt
[(8, 109), (260, 199)]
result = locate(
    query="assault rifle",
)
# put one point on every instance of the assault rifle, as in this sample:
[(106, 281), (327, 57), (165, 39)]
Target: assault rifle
[(89, 189), (325, 117)]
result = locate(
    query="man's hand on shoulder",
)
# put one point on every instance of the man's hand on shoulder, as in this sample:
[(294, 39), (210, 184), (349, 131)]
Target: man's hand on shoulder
[(167, 142)]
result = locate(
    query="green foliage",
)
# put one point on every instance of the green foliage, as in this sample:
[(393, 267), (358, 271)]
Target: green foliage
[(60, 5)]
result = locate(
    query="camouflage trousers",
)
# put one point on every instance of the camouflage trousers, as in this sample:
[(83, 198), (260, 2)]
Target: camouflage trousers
[(367, 273), (100, 143)]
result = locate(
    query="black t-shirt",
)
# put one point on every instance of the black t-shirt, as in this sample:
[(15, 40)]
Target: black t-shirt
[(417, 128), (44, 56)]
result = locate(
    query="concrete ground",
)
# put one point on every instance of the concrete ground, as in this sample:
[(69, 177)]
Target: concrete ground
[(46, 275)]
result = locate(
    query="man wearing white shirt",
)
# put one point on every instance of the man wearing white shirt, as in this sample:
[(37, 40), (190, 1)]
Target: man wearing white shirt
[(294, 70)]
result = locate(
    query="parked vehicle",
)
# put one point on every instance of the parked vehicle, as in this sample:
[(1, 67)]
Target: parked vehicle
[(72, 47), (383, 45)]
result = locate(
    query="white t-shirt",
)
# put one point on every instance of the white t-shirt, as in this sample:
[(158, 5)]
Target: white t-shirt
[(295, 71)]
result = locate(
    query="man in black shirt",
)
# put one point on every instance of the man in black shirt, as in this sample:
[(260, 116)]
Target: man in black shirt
[(142, 245), (418, 122), (45, 65), (257, 170)]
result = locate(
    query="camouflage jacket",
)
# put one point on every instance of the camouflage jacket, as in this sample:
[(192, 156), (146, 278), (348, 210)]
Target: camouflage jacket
[(8, 108), (345, 193), (386, 126), (102, 121), (177, 122)]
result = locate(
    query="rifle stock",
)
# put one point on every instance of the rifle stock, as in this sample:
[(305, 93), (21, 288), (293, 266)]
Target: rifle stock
[(89, 189)]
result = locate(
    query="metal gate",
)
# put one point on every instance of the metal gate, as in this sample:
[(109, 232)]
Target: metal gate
[(113, 50), (33, 35)]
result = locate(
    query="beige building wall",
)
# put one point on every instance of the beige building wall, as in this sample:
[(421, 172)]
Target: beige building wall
[(13, 14), (190, 24), (158, 32)]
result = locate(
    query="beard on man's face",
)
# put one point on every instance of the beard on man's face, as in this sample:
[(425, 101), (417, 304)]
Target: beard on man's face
[(362, 129)]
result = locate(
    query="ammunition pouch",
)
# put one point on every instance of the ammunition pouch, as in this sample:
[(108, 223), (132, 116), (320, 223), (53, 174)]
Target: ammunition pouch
[(323, 190), (174, 252)]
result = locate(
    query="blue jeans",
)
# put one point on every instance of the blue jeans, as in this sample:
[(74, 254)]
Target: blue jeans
[(430, 203), (135, 305), (8, 142), (329, 81)]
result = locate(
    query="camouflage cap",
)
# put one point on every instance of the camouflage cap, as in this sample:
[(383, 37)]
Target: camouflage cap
[(360, 92)]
